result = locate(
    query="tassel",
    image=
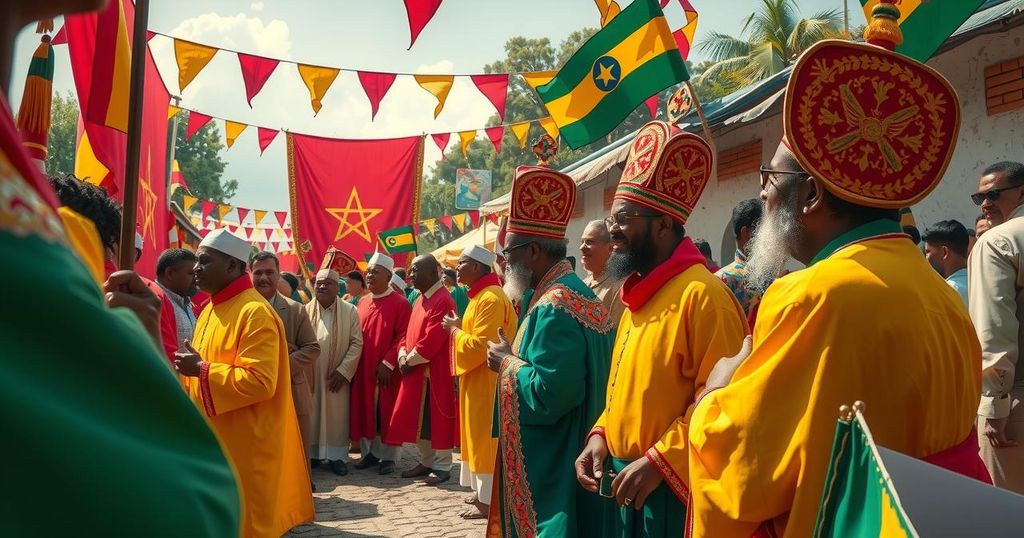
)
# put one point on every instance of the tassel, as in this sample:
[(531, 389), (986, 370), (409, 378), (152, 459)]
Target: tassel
[(884, 28), (44, 26), (34, 113)]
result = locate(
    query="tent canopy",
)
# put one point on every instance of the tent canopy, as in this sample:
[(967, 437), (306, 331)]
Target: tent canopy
[(449, 254)]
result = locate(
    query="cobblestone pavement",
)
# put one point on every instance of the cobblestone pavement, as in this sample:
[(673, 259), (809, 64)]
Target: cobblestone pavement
[(367, 504)]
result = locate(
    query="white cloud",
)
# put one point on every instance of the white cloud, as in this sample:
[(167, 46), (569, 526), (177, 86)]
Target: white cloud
[(256, 6)]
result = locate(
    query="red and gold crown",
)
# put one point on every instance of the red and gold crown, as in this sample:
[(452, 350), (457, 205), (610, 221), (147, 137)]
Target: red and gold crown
[(666, 170), (542, 202), (878, 128), (337, 260)]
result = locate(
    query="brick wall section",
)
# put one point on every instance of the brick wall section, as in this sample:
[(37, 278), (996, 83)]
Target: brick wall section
[(579, 209), (1004, 86), (739, 160), (609, 196)]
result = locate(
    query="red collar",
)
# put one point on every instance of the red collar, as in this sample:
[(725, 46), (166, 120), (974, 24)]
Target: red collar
[(636, 291), (486, 281), (236, 286)]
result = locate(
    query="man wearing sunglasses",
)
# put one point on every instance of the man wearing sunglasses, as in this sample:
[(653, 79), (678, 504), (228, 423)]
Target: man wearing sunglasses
[(996, 285), (679, 320), (867, 320)]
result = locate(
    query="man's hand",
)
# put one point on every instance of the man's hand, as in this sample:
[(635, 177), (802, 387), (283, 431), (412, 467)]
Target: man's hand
[(995, 431), (498, 351), (292, 348), (384, 375), (722, 373), (126, 289), (635, 483), (335, 381), (452, 322), (590, 464), (187, 361)]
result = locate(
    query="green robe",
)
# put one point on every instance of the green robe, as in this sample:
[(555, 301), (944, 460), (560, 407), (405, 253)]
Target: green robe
[(95, 420), (411, 294), (548, 397), (461, 300)]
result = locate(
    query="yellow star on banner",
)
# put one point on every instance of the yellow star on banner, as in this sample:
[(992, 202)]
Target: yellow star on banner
[(148, 202), (353, 206), (606, 75)]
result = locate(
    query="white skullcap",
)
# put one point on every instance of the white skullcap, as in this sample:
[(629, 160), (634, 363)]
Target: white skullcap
[(327, 274), (224, 241), (382, 260), (397, 281), (138, 241), (480, 254)]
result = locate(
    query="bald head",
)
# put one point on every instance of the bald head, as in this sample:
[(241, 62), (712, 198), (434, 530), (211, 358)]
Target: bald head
[(425, 272)]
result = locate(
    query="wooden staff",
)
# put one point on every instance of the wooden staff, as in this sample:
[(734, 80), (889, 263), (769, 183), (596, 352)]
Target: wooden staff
[(135, 106), (700, 114)]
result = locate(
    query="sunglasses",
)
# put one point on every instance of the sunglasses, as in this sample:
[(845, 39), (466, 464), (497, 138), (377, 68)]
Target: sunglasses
[(767, 173), (979, 197)]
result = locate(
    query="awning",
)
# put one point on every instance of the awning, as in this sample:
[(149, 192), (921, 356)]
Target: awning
[(449, 254)]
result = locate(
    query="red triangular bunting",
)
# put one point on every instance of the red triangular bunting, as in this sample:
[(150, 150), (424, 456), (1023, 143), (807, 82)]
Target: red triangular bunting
[(376, 86), (652, 105), (274, 245), (248, 232), (232, 228), (242, 212), (60, 38), (495, 134), (447, 221), (149, 35), (255, 72), (202, 233), (493, 217), (281, 216), (270, 233), (196, 121), (266, 137), (288, 233), (475, 217), (441, 140), (208, 208), (494, 88), (419, 12)]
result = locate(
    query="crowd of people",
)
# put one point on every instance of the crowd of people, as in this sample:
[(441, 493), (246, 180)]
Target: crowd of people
[(660, 395)]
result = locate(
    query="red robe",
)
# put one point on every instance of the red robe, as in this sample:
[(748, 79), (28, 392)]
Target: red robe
[(431, 341), (384, 321)]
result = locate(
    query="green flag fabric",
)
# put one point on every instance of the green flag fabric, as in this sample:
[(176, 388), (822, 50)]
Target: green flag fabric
[(926, 24), (400, 239)]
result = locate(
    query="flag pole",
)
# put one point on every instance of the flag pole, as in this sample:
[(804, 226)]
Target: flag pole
[(700, 114), (131, 168)]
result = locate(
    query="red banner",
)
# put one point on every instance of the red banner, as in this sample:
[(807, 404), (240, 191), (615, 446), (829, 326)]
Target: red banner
[(345, 191)]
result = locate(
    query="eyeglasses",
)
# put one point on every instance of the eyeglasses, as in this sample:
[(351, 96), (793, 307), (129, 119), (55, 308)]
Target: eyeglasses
[(619, 219), (979, 197), (766, 174), (505, 251)]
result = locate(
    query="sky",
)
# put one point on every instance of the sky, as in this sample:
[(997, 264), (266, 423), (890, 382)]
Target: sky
[(462, 37)]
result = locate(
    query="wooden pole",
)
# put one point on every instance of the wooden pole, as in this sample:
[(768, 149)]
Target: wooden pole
[(700, 114), (131, 168)]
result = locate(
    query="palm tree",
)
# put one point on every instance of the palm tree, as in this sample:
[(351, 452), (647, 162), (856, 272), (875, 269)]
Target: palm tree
[(771, 39)]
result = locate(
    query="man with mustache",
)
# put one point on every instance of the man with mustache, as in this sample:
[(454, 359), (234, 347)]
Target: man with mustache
[(552, 377), (762, 432), (679, 320)]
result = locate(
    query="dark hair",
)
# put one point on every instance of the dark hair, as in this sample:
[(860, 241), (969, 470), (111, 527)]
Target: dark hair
[(1014, 171), (949, 233), (400, 272), (172, 257), (292, 280), (356, 275), (91, 202), (703, 247), (552, 248), (450, 273), (746, 214), (263, 256)]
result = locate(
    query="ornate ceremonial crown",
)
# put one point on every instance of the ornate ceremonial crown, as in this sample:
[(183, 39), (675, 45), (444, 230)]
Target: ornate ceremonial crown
[(666, 171), (878, 128), (337, 260), (542, 202)]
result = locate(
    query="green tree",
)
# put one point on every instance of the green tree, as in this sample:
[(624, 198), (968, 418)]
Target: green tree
[(201, 163), (60, 157), (771, 39), (521, 55)]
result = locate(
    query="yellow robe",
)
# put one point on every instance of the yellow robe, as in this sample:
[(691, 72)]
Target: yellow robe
[(487, 310), (661, 359), (870, 322), (244, 390)]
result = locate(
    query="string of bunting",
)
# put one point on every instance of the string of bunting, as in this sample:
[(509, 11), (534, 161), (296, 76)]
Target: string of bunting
[(206, 214), (192, 57), (403, 238), (266, 135)]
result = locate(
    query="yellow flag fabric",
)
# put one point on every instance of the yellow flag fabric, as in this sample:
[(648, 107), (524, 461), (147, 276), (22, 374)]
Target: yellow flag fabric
[(260, 213), (430, 224), (549, 125), (189, 202), (231, 131), (222, 211), (538, 78), (88, 167), (192, 58), (460, 221), (608, 9), (438, 85), (522, 131), (172, 110), (465, 137), (318, 80)]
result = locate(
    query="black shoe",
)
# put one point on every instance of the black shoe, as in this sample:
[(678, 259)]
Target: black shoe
[(366, 462), (437, 477), (313, 464), (417, 471), (386, 467), (339, 467)]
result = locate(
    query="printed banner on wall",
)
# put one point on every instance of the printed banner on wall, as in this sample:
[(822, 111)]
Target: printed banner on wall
[(472, 188)]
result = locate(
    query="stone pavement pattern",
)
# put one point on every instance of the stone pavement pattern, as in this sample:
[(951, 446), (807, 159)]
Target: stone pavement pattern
[(365, 504)]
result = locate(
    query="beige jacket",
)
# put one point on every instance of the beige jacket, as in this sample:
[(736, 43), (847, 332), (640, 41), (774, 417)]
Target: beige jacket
[(996, 299), (608, 292), (345, 336), (298, 332)]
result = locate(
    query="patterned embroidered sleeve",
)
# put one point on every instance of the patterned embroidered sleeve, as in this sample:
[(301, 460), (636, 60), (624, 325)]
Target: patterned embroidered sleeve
[(252, 378), (551, 381)]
